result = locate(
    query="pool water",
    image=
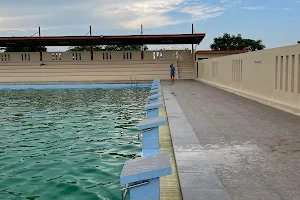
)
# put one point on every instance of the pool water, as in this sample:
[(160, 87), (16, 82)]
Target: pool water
[(67, 144)]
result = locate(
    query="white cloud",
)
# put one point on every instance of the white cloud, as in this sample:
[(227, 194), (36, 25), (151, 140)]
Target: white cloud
[(265, 8), (108, 14), (231, 1), (203, 12), (151, 13), (254, 8)]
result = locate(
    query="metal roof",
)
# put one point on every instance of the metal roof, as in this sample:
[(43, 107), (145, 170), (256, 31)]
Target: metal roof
[(102, 40)]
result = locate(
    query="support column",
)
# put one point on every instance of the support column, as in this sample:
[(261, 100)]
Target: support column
[(92, 52), (192, 44), (41, 51), (142, 53)]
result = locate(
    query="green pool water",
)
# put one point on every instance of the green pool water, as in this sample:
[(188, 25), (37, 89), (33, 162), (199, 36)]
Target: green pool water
[(67, 144)]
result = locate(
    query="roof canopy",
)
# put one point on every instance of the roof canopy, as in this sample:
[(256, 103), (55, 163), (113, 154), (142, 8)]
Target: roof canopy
[(101, 40)]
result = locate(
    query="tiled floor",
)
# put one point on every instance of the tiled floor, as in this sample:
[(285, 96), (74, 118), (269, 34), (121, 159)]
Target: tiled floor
[(254, 148)]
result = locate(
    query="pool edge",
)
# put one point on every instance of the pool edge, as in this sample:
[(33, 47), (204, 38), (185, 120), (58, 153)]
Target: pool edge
[(169, 185)]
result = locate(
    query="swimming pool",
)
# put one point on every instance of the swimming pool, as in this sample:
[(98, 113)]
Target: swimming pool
[(67, 144)]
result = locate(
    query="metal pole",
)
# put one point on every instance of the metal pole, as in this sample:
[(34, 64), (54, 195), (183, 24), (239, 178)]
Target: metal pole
[(192, 44), (193, 56), (142, 53), (41, 52), (92, 54)]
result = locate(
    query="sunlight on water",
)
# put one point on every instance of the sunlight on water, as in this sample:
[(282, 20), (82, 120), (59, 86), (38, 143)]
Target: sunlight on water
[(67, 144)]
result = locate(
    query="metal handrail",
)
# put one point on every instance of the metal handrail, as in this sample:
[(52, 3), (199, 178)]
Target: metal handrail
[(142, 131), (124, 190), (130, 81)]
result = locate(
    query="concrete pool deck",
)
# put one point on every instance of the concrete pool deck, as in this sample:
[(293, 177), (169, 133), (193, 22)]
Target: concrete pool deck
[(230, 147)]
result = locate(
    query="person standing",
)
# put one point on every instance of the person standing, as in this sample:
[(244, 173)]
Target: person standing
[(172, 71)]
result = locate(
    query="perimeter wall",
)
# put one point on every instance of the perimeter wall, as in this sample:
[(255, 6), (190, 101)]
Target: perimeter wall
[(269, 76), (110, 66)]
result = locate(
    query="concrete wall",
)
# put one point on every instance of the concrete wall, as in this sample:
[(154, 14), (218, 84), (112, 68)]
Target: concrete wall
[(270, 76), (78, 66), (213, 54)]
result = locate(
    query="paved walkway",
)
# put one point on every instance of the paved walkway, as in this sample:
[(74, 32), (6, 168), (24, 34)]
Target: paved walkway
[(254, 149)]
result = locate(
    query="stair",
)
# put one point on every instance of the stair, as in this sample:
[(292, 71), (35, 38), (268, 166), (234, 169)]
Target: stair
[(186, 70)]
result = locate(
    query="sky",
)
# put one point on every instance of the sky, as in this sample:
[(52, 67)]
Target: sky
[(275, 22)]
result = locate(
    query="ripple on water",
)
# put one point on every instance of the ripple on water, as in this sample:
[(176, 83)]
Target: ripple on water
[(67, 144)]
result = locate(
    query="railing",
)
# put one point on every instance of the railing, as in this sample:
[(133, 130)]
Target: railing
[(124, 190), (133, 80)]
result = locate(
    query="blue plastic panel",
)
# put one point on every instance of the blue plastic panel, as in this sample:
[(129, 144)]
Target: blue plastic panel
[(148, 191), (155, 96), (154, 91), (156, 83), (145, 168), (151, 123), (153, 105), (155, 87), (151, 143), (152, 113), (149, 152)]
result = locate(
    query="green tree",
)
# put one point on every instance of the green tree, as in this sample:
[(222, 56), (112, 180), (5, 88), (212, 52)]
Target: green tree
[(109, 48), (86, 48), (24, 49), (174, 48), (298, 42), (236, 42), (125, 47)]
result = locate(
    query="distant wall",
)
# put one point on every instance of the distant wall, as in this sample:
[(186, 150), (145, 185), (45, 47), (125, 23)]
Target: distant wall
[(270, 76), (110, 66), (209, 54), (24, 57), (214, 54)]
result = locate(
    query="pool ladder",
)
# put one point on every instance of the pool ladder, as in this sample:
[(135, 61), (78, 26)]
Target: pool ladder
[(133, 80), (124, 190)]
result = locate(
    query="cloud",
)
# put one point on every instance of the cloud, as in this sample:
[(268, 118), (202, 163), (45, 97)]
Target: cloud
[(151, 13), (285, 9), (156, 13), (231, 1), (258, 8), (254, 8), (203, 12), (107, 14)]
